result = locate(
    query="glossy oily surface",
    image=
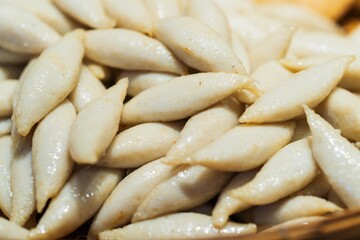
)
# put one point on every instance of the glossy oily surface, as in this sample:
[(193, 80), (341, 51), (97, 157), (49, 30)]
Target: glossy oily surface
[(23, 32), (244, 147), (311, 45), (122, 203), (310, 86), (342, 110), (52, 164), (78, 200), (350, 79), (102, 116), (337, 157), (49, 80), (87, 89), (226, 204), (140, 144), (189, 187), (47, 12), (289, 170), (196, 134)]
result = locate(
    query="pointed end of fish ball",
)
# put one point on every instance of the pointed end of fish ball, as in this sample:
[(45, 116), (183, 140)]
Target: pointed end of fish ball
[(128, 115), (332, 207), (195, 160), (317, 124), (307, 110), (245, 96), (286, 62), (204, 159), (139, 216), (108, 23), (170, 161), (285, 33), (251, 86), (123, 83), (245, 118), (22, 125), (173, 160), (342, 62), (347, 59), (290, 28), (288, 31), (313, 119), (219, 218), (180, 68), (84, 158), (148, 209), (79, 154), (40, 203), (251, 228), (79, 34)]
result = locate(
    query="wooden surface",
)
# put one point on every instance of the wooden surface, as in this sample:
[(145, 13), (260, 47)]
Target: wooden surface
[(342, 226)]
